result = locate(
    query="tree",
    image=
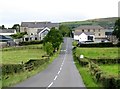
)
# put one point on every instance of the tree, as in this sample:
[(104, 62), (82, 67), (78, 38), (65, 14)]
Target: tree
[(116, 31), (18, 35), (3, 27), (17, 27), (48, 48), (64, 30), (54, 37)]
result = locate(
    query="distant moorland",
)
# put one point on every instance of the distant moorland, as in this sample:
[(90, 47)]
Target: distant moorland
[(104, 22)]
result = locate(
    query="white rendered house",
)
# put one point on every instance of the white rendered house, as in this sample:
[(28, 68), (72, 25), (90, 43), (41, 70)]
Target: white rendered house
[(82, 36)]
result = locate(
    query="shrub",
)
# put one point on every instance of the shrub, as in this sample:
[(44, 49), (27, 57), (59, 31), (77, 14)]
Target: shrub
[(12, 68), (48, 48), (109, 82), (30, 42)]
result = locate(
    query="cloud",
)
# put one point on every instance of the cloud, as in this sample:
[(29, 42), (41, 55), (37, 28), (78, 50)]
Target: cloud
[(15, 11)]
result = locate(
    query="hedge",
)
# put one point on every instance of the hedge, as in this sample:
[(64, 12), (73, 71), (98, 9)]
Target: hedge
[(118, 44), (108, 44), (21, 48), (30, 42), (108, 81), (12, 68), (17, 68), (106, 61)]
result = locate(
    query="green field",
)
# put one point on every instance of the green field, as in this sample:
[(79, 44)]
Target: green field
[(22, 55), (97, 53), (112, 69)]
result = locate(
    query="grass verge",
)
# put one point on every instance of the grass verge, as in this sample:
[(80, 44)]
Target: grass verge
[(86, 76)]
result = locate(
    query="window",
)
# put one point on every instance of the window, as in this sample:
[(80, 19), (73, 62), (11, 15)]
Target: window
[(82, 30), (99, 34), (35, 38), (31, 33), (88, 30), (90, 38)]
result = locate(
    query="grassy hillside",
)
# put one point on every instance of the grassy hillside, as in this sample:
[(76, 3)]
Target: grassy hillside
[(104, 22)]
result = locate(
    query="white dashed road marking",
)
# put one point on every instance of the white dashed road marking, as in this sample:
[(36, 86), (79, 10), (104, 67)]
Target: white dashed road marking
[(60, 68), (58, 72), (50, 84), (55, 77)]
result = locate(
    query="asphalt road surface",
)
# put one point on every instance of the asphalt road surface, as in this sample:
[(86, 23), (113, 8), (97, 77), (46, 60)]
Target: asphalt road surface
[(62, 72)]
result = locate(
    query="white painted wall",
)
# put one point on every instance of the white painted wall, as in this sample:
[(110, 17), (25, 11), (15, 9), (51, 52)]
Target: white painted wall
[(83, 37), (76, 37)]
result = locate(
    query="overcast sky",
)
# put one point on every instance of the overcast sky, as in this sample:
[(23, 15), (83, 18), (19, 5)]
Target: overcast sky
[(16, 11)]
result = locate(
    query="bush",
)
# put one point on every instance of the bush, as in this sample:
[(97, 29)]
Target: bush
[(12, 68), (48, 48), (30, 42), (118, 83), (109, 82)]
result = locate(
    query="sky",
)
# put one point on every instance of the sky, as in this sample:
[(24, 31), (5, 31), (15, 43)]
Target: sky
[(17, 11)]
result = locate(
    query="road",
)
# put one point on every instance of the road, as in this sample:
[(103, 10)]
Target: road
[(62, 72)]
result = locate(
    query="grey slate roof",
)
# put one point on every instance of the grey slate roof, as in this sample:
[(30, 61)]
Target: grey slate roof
[(39, 24), (87, 33), (7, 30), (89, 27)]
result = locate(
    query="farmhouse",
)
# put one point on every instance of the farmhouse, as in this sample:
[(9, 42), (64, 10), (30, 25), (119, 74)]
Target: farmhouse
[(89, 33), (36, 30)]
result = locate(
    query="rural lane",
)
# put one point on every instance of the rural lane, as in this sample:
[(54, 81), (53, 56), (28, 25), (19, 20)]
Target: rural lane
[(62, 72)]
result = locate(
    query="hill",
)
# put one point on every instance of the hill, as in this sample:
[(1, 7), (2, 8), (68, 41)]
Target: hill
[(104, 22)]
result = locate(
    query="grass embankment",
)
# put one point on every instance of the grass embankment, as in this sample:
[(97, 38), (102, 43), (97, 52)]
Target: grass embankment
[(97, 53), (17, 56)]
